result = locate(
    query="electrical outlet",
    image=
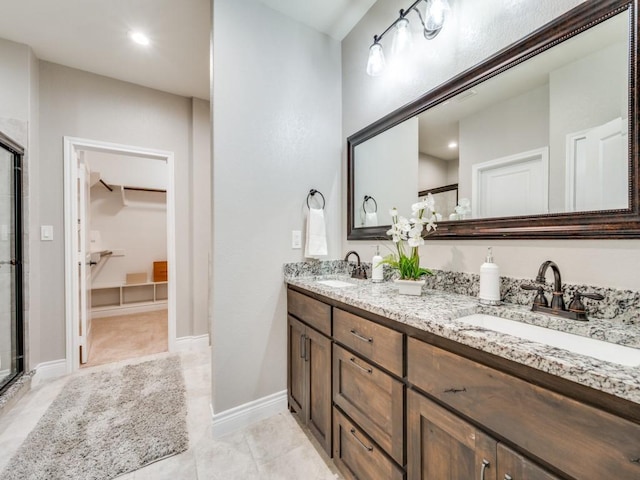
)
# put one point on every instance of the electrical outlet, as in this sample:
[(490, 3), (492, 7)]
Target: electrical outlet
[(296, 239)]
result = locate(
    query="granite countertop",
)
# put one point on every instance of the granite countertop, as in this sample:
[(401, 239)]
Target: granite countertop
[(436, 312)]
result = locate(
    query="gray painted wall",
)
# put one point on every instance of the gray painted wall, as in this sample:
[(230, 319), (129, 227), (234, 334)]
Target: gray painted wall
[(276, 134), (478, 30)]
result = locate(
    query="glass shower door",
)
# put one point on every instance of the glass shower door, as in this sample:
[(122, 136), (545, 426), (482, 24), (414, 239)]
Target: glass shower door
[(11, 330)]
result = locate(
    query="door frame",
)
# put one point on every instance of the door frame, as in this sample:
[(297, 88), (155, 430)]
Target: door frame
[(72, 320)]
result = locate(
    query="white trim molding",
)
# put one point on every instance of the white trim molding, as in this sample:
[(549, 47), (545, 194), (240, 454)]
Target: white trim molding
[(49, 370), (197, 342), (245, 415)]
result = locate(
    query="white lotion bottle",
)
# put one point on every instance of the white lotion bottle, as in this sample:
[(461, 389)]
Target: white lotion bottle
[(377, 273), (489, 281)]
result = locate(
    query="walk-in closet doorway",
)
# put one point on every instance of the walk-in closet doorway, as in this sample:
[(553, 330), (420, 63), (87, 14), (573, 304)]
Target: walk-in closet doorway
[(106, 277)]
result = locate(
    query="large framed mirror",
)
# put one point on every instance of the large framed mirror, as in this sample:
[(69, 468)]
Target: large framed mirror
[(540, 140)]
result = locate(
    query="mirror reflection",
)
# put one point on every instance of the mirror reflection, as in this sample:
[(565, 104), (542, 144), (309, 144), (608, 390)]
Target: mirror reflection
[(547, 136)]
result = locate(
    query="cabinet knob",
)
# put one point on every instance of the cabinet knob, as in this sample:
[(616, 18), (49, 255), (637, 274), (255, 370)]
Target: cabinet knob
[(507, 477)]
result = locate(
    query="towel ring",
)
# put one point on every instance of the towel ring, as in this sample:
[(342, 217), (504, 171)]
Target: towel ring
[(364, 204), (312, 192)]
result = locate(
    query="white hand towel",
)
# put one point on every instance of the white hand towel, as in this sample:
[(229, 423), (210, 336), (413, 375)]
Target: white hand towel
[(316, 244), (371, 219)]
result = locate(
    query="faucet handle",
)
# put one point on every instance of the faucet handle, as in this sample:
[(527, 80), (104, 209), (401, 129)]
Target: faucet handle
[(576, 304), (540, 299)]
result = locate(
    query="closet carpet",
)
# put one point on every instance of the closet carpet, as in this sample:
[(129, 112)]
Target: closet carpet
[(127, 336)]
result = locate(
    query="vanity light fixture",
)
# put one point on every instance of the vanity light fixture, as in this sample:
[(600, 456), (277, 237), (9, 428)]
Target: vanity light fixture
[(435, 15), (140, 38)]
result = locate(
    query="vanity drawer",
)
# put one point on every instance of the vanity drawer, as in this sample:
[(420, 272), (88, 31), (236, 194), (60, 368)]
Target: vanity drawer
[(357, 456), (374, 342), (310, 311), (578, 439), (372, 398)]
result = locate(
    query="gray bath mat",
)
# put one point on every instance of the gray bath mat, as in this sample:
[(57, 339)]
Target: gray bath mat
[(106, 424)]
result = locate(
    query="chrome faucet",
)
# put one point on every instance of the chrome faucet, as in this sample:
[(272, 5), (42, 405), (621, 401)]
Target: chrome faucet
[(576, 311), (359, 270)]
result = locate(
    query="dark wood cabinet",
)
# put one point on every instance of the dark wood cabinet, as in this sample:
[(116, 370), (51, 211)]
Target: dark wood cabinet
[(309, 379), (577, 439), (442, 446), (403, 399)]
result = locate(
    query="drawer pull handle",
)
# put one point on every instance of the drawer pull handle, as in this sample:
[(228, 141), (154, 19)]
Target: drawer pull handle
[(364, 339), (635, 460), (485, 465), (367, 370), (303, 347), (455, 390), (507, 477), (366, 447)]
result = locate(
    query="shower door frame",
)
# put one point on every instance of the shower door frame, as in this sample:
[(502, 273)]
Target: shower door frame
[(18, 155)]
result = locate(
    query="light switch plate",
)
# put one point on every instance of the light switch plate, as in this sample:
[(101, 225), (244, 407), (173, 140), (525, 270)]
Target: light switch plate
[(46, 233), (296, 239)]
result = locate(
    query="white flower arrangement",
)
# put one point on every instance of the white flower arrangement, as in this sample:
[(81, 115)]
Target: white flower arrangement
[(411, 231)]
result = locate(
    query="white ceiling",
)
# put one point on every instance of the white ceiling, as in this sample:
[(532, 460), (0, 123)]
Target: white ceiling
[(91, 35), (336, 18)]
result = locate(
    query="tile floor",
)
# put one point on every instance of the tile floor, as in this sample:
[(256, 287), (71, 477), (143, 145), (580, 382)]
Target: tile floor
[(276, 448)]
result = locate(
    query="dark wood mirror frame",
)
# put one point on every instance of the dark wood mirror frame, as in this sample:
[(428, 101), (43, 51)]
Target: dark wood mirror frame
[(600, 224)]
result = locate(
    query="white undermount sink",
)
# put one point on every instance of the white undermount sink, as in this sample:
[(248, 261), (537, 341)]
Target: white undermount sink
[(609, 352), (335, 283)]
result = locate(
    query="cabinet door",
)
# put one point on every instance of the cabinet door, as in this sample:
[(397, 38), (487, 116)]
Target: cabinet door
[(318, 359), (357, 456), (296, 376), (442, 446), (513, 466)]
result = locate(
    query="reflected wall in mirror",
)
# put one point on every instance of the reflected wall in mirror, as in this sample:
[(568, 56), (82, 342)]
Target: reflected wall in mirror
[(537, 135)]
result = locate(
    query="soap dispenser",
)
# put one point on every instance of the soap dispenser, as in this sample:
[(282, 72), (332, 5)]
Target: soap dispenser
[(377, 272), (489, 281)]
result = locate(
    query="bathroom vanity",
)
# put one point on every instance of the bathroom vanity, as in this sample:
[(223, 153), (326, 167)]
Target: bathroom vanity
[(398, 387)]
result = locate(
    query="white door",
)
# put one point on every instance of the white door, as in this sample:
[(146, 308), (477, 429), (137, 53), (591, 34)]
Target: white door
[(511, 186), (84, 259), (597, 168)]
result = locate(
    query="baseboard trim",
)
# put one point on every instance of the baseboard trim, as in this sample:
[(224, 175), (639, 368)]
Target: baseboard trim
[(245, 415), (192, 343), (48, 370)]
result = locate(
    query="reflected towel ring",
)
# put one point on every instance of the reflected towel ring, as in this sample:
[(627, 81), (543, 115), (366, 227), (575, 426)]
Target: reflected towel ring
[(364, 204), (312, 192)]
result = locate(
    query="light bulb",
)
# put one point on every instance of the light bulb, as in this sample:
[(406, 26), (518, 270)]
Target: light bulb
[(376, 62), (140, 38), (435, 14), (402, 39)]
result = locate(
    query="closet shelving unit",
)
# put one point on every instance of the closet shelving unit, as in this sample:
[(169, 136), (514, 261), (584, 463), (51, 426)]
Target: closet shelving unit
[(115, 296)]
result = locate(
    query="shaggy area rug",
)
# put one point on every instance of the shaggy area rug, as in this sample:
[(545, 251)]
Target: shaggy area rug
[(107, 423)]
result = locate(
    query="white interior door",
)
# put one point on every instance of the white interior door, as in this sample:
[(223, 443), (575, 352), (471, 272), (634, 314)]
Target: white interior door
[(511, 186), (84, 258), (597, 175)]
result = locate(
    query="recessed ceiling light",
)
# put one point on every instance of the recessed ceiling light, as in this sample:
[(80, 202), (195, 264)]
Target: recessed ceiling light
[(139, 37), (453, 144)]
